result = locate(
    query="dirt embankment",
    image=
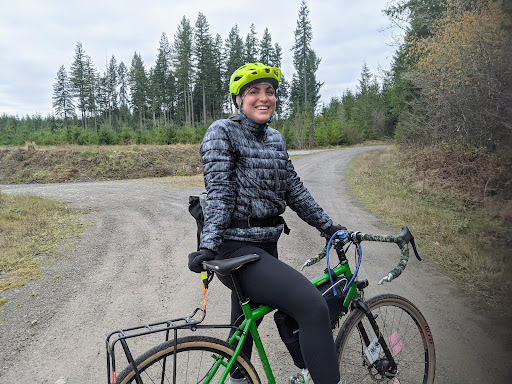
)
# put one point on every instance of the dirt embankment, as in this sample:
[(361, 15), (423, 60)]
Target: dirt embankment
[(73, 163)]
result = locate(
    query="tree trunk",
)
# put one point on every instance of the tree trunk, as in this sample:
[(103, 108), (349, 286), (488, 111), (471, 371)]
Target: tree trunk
[(191, 110), (204, 107), (311, 136)]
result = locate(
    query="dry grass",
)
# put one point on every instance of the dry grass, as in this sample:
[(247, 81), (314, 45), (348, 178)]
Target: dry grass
[(468, 235), (31, 228), (83, 163)]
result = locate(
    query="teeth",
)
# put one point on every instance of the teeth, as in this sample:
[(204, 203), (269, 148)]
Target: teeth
[(262, 108)]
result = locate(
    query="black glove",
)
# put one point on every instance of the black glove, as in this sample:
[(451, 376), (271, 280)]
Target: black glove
[(333, 229), (195, 259)]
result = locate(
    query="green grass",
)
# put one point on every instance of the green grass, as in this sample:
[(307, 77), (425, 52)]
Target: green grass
[(31, 228), (468, 242)]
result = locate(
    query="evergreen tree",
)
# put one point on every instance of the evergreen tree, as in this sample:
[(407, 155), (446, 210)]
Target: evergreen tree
[(111, 89), (102, 96), (122, 80), (184, 70), (266, 49), (367, 114), (251, 46), (152, 96), (78, 80), (138, 88), (417, 18), (62, 96), (283, 90), (234, 49), (202, 50), (219, 99), (161, 82), (92, 88), (305, 90)]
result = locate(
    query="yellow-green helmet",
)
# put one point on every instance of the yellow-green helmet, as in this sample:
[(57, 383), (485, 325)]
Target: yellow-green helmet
[(248, 74)]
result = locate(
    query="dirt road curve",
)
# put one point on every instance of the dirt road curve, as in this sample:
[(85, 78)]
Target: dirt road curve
[(130, 268)]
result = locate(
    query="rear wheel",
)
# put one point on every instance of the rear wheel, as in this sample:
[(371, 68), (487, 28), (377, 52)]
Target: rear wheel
[(196, 356), (408, 337)]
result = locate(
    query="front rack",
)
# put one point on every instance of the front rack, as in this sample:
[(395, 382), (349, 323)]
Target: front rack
[(192, 322)]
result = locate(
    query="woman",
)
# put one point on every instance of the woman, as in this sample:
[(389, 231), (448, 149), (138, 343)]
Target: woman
[(249, 181)]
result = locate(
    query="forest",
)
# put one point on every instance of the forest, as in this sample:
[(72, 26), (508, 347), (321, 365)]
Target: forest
[(450, 82)]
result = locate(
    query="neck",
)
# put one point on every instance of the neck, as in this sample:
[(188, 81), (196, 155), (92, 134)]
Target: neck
[(244, 116)]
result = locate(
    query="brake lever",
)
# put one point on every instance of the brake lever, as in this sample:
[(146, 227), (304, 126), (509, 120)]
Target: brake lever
[(387, 278), (414, 249), (308, 263)]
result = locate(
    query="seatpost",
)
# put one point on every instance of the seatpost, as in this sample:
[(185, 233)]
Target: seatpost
[(238, 289)]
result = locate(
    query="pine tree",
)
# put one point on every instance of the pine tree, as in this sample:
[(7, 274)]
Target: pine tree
[(219, 99), (283, 90), (305, 90), (102, 96), (161, 82), (251, 46), (138, 88), (111, 89), (184, 70), (234, 49), (91, 92), (122, 76), (62, 96), (78, 80), (266, 49), (202, 50)]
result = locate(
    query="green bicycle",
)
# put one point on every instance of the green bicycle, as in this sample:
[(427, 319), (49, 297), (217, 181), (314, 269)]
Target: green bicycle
[(384, 339)]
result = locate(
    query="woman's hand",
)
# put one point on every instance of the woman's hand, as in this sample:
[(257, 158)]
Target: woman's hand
[(333, 229), (195, 259)]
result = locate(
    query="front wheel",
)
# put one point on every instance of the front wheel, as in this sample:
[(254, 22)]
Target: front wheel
[(197, 357), (360, 357)]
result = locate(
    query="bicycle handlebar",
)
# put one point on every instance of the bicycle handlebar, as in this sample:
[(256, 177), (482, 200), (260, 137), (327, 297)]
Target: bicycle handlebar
[(402, 240)]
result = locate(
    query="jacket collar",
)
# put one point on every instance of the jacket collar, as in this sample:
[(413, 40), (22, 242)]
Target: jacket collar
[(249, 125)]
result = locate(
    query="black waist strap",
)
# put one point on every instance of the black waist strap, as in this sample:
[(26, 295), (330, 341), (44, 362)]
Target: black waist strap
[(252, 222)]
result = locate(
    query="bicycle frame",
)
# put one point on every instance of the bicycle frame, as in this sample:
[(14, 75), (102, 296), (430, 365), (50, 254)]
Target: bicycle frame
[(248, 326)]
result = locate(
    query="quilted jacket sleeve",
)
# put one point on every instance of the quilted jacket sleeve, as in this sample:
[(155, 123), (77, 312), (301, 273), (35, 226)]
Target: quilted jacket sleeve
[(218, 159)]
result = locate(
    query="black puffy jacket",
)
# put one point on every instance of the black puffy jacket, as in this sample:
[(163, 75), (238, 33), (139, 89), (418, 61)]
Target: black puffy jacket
[(248, 175)]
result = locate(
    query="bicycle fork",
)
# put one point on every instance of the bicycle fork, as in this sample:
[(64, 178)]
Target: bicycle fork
[(386, 367)]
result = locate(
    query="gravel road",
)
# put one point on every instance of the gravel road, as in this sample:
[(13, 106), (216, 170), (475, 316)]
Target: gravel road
[(130, 268)]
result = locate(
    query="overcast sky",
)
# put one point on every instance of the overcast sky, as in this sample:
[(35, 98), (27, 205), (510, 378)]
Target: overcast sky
[(38, 36)]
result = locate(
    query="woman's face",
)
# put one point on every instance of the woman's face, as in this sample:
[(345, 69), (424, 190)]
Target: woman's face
[(260, 103)]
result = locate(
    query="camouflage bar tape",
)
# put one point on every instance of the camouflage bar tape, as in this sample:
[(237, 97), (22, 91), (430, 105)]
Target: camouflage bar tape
[(397, 271), (315, 259), (404, 250)]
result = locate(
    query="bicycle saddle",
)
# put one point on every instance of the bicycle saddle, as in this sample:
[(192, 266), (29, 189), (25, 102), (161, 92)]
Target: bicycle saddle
[(226, 266)]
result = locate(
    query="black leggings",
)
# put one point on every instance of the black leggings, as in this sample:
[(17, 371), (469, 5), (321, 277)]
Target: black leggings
[(271, 282)]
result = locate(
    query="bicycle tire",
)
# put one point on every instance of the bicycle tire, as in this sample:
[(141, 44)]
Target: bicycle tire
[(202, 350), (409, 339)]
